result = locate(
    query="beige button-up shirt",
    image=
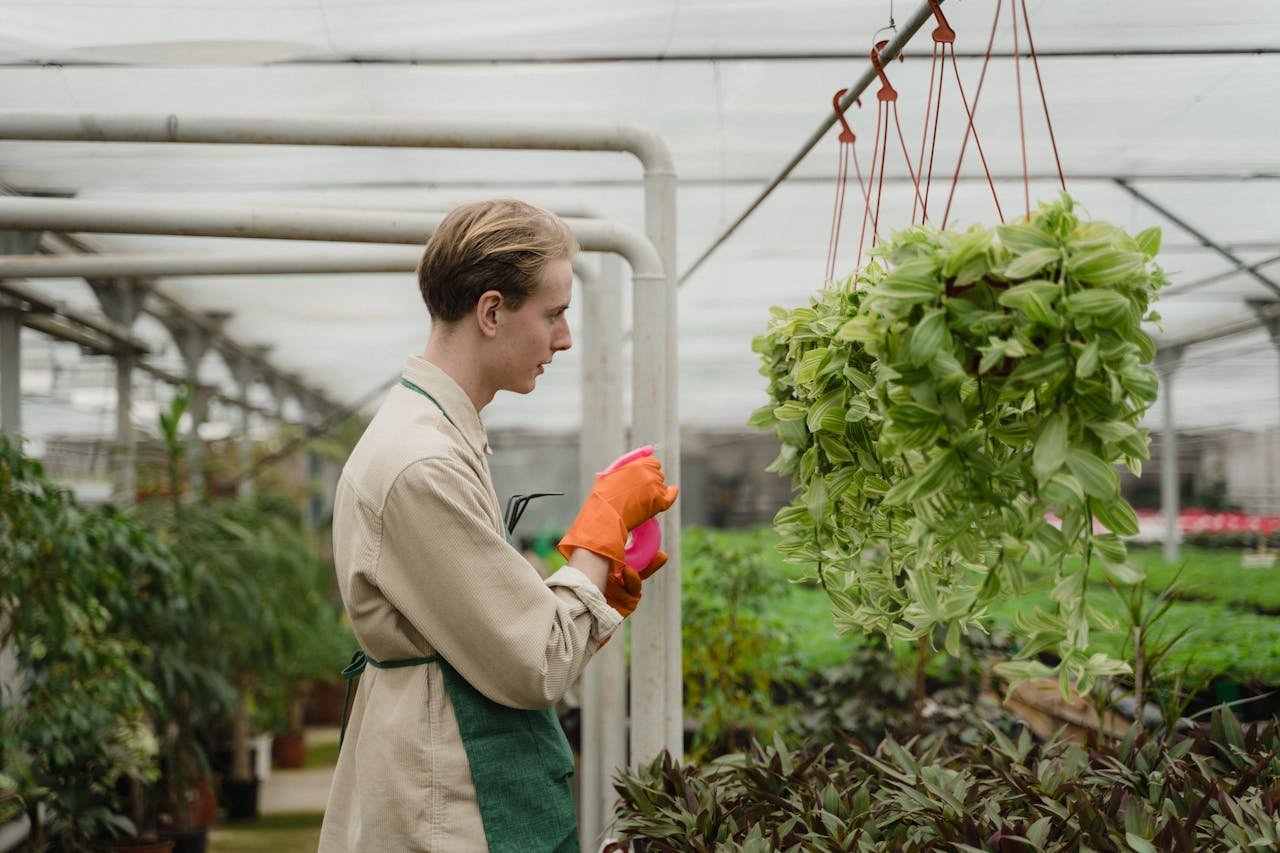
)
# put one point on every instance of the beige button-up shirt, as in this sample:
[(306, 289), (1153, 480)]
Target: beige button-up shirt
[(424, 568)]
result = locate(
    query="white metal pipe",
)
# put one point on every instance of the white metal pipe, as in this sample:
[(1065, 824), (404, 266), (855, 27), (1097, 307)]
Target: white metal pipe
[(289, 223), (660, 421), (382, 259), (352, 131), (602, 441), (656, 680)]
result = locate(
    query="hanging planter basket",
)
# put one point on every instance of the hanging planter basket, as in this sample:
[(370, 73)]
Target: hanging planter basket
[(935, 410)]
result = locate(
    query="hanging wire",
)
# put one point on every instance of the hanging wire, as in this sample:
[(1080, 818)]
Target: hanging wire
[(924, 137), (1035, 61), (970, 129), (848, 151), (1022, 125)]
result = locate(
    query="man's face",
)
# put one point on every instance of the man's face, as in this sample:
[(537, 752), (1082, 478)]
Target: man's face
[(533, 334)]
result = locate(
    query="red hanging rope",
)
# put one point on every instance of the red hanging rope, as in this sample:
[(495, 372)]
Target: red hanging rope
[(942, 35), (924, 137), (847, 151), (1022, 125), (1035, 61), (887, 100), (921, 171), (871, 179), (970, 129)]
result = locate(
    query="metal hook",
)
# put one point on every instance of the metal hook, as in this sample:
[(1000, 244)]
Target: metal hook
[(943, 34), (846, 132), (887, 92)]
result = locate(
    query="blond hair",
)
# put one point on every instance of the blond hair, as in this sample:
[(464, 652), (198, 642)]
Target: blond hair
[(499, 244)]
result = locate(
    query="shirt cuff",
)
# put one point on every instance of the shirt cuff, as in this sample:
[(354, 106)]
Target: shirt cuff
[(607, 619)]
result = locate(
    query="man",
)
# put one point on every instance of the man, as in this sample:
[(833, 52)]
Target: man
[(451, 743)]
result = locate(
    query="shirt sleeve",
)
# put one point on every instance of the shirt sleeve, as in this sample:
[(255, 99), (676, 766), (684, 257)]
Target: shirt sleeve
[(447, 570)]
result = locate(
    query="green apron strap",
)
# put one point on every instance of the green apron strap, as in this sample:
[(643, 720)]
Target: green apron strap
[(520, 764), (406, 383), (353, 670)]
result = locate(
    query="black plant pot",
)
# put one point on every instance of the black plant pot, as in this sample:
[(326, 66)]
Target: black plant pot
[(240, 799), (188, 841)]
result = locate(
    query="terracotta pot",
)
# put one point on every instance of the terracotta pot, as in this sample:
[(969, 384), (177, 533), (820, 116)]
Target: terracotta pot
[(289, 750), (324, 706), (204, 808)]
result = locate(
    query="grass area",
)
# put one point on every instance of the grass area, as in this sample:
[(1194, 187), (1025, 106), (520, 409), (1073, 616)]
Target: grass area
[(321, 754), (1226, 607), (1222, 640), (1213, 574), (279, 833)]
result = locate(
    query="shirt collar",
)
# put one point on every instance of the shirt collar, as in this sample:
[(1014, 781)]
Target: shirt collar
[(455, 403)]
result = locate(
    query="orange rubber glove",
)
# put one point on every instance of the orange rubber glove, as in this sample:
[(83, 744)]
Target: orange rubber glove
[(622, 591), (623, 588), (622, 500)]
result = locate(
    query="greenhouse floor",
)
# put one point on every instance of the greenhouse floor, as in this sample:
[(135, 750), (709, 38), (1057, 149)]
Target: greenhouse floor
[(290, 805), (302, 790)]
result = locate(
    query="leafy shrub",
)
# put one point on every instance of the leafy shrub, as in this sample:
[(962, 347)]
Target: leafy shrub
[(737, 656), (80, 590), (1216, 789)]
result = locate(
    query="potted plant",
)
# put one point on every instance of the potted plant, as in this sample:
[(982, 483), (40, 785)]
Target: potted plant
[(320, 642), (277, 626), (938, 411)]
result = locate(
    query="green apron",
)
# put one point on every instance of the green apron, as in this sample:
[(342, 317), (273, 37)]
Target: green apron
[(520, 760), (520, 763)]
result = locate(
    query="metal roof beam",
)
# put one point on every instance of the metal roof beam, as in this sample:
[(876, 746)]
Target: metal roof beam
[(1205, 240)]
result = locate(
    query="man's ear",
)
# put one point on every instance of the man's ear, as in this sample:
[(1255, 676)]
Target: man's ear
[(486, 312)]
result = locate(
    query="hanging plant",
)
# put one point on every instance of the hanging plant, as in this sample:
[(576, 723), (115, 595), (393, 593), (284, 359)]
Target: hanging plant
[(958, 411)]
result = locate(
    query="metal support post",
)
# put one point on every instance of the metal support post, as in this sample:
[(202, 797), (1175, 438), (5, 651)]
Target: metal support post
[(280, 391), (194, 342), (11, 372), (1167, 361), (244, 372), (1266, 312), (122, 301), (657, 686), (604, 687)]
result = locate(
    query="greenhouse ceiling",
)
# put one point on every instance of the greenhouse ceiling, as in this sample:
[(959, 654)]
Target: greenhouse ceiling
[(1164, 113)]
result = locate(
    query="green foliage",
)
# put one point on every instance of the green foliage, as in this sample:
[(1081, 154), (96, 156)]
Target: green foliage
[(761, 657), (858, 701), (79, 591), (736, 653), (129, 633), (174, 445), (932, 414), (1213, 790), (1221, 640), (266, 593)]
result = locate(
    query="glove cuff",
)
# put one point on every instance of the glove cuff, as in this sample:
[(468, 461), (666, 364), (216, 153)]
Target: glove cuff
[(598, 529)]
